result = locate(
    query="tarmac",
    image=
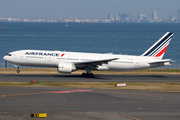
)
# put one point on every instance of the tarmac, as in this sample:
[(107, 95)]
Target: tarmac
[(96, 78), (18, 103)]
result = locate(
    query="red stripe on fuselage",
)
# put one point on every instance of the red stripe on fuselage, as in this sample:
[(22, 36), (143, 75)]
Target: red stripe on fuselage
[(161, 52), (62, 55)]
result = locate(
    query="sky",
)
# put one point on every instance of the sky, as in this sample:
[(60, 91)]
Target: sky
[(87, 9)]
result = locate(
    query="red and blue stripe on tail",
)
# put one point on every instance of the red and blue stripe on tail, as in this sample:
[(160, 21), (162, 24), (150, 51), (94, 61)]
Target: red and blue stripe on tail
[(159, 48)]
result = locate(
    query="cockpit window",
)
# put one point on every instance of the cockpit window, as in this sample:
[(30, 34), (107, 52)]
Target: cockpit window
[(9, 54)]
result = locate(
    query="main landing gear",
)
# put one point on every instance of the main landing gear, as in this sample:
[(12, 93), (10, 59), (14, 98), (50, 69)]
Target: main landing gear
[(88, 73)]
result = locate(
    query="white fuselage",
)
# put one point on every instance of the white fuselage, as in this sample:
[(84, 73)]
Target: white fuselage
[(42, 58)]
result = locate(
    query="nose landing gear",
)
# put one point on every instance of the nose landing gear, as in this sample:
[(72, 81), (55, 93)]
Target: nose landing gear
[(18, 71)]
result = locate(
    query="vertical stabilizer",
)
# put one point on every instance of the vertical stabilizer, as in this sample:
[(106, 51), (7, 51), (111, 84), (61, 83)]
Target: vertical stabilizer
[(158, 49)]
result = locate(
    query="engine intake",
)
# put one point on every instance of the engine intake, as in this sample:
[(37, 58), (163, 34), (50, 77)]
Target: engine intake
[(66, 67)]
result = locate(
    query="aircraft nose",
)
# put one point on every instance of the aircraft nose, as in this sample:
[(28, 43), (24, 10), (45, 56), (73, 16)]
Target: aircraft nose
[(5, 58)]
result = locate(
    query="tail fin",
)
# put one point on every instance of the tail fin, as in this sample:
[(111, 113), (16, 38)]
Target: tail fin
[(159, 48)]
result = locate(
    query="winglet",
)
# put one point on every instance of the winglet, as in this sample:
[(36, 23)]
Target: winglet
[(158, 49)]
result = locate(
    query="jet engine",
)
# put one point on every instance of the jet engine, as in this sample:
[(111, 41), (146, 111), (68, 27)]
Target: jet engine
[(66, 67)]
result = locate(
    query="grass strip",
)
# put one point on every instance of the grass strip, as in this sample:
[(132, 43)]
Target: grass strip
[(145, 86)]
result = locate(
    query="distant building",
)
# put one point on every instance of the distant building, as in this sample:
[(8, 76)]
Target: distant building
[(154, 15), (2, 19), (179, 15), (112, 18), (109, 16), (125, 17), (120, 16), (170, 17), (9, 19), (141, 17), (133, 17), (117, 17)]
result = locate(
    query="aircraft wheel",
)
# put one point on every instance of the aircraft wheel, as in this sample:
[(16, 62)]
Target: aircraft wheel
[(91, 75), (83, 74), (18, 71), (87, 74)]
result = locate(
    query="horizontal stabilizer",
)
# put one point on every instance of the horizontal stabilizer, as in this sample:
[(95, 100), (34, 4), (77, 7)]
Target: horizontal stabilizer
[(161, 61)]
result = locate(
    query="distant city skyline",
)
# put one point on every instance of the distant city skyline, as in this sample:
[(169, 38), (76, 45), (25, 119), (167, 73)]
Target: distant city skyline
[(117, 18), (87, 9), (142, 17)]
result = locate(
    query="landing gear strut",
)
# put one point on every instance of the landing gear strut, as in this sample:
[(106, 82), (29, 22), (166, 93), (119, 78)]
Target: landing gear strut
[(18, 71), (88, 73)]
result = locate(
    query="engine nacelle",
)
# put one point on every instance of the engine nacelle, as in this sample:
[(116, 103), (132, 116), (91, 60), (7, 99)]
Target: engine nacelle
[(66, 67)]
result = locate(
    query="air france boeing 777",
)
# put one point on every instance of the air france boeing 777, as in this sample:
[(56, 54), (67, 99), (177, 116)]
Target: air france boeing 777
[(67, 62)]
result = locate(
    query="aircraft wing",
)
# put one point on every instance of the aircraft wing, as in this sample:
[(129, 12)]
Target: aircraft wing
[(95, 62)]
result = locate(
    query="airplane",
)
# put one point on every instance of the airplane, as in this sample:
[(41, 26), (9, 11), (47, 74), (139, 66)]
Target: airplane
[(67, 62)]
